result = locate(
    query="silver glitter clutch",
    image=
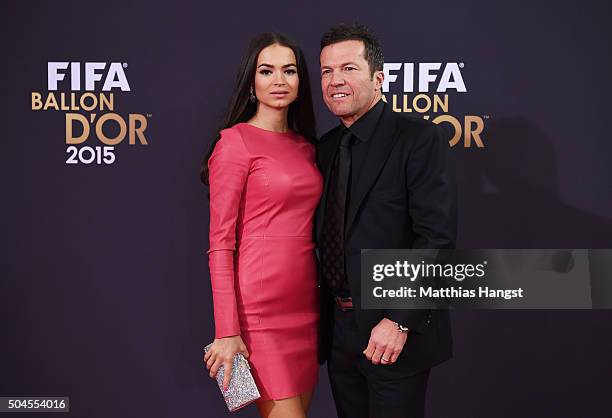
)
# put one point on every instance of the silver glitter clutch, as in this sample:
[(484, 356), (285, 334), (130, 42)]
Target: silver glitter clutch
[(242, 389)]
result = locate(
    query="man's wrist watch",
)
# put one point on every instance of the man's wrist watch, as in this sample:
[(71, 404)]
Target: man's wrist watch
[(402, 328)]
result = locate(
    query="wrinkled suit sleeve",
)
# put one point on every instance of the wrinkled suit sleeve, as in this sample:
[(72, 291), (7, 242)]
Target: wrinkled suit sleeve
[(433, 208)]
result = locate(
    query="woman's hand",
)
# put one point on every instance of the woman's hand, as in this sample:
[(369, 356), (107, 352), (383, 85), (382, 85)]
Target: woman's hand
[(221, 353)]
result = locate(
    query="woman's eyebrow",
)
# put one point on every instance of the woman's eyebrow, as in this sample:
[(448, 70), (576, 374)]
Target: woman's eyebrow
[(271, 66)]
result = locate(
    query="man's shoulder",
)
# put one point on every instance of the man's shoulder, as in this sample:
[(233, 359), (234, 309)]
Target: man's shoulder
[(416, 129), (413, 124), (422, 133)]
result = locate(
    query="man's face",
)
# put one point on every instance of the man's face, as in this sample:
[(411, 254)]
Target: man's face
[(349, 90)]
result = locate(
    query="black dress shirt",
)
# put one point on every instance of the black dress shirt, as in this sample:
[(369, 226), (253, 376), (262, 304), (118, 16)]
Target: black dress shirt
[(363, 129)]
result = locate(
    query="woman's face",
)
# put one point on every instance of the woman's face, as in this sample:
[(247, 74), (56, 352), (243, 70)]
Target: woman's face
[(276, 78)]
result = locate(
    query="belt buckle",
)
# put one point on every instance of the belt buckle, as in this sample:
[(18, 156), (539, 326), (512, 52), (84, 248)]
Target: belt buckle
[(346, 304)]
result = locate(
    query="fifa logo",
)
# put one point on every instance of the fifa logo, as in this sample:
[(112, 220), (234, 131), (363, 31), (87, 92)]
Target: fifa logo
[(425, 89), (91, 87), (114, 77)]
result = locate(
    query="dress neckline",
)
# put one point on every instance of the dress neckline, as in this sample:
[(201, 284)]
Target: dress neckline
[(288, 133)]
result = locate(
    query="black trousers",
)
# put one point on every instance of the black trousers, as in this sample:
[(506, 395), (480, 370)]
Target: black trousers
[(364, 390)]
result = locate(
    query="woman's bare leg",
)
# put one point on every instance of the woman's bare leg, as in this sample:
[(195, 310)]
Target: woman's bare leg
[(306, 397), (283, 408)]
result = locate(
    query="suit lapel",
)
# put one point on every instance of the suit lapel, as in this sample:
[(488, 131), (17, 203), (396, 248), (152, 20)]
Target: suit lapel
[(327, 153), (383, 139)]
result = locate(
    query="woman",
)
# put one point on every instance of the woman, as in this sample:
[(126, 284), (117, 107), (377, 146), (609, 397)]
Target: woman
[(264, 188)]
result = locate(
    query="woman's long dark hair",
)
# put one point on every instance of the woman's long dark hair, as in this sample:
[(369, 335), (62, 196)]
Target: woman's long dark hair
[(300, 117)]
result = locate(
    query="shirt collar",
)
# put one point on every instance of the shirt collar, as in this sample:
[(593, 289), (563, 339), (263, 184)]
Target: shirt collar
[(364, 127)]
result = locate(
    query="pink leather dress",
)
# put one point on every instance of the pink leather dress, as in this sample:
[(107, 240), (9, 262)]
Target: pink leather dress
[(264, 188)]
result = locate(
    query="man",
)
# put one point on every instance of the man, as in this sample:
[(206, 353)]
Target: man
[(388, 184)]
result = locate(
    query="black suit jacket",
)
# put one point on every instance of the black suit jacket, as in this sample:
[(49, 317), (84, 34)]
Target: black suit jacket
[(405, 198)]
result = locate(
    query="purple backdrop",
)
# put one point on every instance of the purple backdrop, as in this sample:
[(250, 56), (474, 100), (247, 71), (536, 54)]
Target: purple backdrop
[(104, 292)]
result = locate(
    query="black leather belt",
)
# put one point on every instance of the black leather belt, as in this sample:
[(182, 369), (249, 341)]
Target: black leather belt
[(346, 304)]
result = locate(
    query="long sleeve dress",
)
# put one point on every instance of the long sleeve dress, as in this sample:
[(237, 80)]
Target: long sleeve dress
[(264, 188)]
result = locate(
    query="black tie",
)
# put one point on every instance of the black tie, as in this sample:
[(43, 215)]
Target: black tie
[(332, 256)]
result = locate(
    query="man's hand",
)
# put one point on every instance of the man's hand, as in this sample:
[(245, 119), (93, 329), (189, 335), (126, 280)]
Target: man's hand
[(386, 343)]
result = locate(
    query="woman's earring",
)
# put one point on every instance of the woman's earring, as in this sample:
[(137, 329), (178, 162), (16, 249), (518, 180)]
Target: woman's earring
[(252, 96)]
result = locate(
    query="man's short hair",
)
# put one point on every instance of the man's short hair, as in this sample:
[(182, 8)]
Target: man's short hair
[(357, 32)]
